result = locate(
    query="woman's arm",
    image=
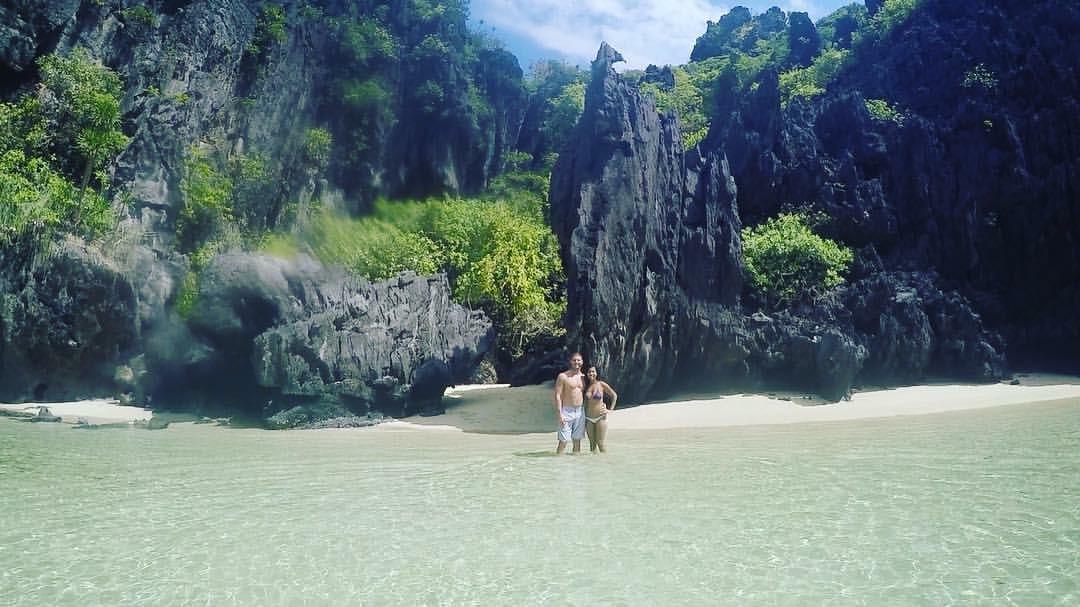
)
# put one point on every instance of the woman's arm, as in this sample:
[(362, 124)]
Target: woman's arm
[(613, 394)]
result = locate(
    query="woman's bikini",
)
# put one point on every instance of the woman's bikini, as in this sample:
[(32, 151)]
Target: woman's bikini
[(597, 394)]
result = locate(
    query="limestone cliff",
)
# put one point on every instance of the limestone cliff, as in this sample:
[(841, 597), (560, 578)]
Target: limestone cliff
[(975, 177), (650, 239)]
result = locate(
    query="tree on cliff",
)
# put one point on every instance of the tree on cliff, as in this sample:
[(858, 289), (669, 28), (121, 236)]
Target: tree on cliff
[(67, 131), (80, 99)]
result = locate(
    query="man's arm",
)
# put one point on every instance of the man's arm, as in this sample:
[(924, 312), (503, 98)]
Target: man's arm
[(559, 383)]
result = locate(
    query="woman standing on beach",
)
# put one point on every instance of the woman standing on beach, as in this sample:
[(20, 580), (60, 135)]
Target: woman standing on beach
[(595, 409)]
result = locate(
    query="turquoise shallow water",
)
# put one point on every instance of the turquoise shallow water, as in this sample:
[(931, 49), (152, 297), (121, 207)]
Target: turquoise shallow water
[(973, 508)]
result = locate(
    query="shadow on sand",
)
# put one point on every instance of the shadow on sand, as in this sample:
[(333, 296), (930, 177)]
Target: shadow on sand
[(496, 410)]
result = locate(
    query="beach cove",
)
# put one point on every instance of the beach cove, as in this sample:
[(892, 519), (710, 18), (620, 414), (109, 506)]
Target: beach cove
[(970, 506)]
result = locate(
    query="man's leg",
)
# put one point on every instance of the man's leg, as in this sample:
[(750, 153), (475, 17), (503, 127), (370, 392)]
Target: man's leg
[(577, 430), (561, 448)]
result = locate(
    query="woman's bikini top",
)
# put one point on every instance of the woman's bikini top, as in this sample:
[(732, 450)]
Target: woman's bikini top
[(597, 394)]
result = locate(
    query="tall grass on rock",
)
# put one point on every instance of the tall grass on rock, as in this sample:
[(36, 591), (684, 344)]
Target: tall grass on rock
[(498, 253)]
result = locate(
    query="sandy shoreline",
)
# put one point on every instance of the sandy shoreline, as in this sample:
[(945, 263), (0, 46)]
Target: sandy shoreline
[(528, 409), (97, 411)]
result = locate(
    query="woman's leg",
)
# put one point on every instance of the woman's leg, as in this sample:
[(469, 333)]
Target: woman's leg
[(590, 430), (600, 431)]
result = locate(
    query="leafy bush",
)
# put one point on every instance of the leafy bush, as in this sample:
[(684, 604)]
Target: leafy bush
[(365, 95), (498, 252), (81, 98), (367, 40), (35, 198), (563, 112), (891, 14), (785, 260), (689, 101), (371, 246), (430, 96), (67, 131), (269, 29), (139, 14), (318, 144), (207, 206), (23, 127), (881, 110), (811, 81)]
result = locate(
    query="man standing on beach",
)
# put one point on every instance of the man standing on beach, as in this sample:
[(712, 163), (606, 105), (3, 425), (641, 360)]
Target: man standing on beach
[(569, 397)]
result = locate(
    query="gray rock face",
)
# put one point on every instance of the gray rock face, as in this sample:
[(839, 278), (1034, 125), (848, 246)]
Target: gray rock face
[(803, 39), (976, 179), (25, 25), (650, 245), (191, 77), (295, 333), (650, 242), (67, 318)]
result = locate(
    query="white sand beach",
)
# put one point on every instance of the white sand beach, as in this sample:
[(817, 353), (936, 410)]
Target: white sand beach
[(528, 409), (97, 411)]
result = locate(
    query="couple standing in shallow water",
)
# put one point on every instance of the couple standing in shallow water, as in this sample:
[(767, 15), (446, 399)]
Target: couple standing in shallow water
[(580, 408)]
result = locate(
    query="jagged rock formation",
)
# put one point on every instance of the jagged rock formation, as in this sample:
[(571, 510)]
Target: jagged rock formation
[(650, 245), (738, 30), (408, 113), (268, 334), (976, 177), (650, 240), (67, 317), (803, 39), (207, 71)]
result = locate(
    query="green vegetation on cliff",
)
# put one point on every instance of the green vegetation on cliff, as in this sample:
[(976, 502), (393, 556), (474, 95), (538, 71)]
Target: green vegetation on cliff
[(785, 260), (52, 145), (808, 82), (497, 250)]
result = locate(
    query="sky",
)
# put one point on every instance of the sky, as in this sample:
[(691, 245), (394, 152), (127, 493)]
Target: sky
[(644, 31)]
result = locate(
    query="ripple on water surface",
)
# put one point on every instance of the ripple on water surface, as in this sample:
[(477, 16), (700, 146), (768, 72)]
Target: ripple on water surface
[(981, 507)]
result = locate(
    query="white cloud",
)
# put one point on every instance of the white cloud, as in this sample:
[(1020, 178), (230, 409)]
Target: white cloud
[(644, 31)]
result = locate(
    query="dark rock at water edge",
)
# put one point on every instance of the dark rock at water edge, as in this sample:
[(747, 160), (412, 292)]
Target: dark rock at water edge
[(279, 334), (68, 316), (265, 336)]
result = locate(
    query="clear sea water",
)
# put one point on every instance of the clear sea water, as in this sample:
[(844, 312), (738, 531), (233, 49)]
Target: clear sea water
[(973, 508)]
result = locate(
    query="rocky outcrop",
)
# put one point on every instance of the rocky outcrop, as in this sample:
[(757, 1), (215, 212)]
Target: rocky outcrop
[(738, 31), (273, 334), (435, 112), (974, 176), (650, 244), (650, 241), (204, 71), (804, 41), (68, 317)]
